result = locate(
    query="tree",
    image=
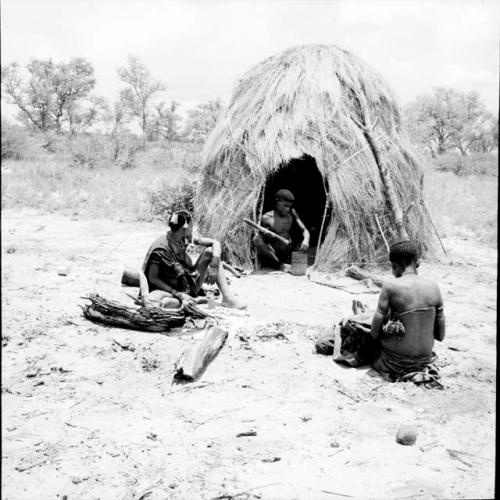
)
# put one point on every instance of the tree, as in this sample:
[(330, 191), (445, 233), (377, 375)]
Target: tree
[(81, 116), (136, 98), (71, 82), (202, 120), (49, 90), (115, 117), (448, 120), (119, 137), (165, 122), (34, 97)]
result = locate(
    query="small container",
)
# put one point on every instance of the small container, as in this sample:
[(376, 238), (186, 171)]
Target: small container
[(299, 263)]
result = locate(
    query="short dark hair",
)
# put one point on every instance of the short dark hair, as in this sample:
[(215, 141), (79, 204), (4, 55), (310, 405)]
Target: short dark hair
[(178, 219), (404, 252), (285, 195)]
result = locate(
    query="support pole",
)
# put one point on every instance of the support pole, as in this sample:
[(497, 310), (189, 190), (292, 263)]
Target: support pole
[(383, 168), (382, 233), (318, 247), (433, 225), (388, 185)]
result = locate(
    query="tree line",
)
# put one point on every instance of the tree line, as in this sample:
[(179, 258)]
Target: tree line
[(451, 121), (59, 97)]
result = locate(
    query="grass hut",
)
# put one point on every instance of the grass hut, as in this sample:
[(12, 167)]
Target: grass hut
[(318, 121)]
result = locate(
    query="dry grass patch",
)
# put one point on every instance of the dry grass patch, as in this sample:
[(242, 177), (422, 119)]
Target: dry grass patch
[(464, 206)]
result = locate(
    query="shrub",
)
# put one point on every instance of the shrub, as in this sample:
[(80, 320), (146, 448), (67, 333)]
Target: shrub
[(129, 159), (169, 198), (473, 164), (122, 148), (175, 155), (13, 141), (88, 151)]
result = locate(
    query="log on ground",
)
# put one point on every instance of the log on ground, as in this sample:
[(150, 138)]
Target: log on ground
[(149, 319), (195, 360), (358, 274)]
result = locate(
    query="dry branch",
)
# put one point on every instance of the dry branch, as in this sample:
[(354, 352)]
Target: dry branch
[(195, 360)]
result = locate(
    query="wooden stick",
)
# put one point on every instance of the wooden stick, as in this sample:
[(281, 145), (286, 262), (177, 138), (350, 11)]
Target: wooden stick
[(407, 211), (195, 360), (266, 232), (231, 269), (382, 232), (318, 246), (335, 493), (433, 225), (344, 288), (454, 454), (259, 218)]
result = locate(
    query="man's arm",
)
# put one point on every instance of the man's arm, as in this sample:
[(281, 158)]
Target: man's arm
[(267, 222), (380, 313), (439, 322), (305, 233)]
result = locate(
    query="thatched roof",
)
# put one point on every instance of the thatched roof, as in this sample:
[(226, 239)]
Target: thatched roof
[(311, 100)]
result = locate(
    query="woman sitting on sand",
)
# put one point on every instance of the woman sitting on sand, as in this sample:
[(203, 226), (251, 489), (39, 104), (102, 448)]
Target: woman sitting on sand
[(172, 277), (399, 337)]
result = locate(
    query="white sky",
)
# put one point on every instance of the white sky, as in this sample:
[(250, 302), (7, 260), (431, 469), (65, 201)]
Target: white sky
[(199, 48)]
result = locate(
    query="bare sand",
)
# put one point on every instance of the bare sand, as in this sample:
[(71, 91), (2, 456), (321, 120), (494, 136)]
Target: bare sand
[(84, 418)]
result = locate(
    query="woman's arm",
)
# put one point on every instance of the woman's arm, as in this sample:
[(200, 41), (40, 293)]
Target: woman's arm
[(439, 321), (381, 312), (209, 242), (154, 279)]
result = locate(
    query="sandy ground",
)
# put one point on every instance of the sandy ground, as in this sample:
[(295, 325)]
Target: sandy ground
[(84, 418)]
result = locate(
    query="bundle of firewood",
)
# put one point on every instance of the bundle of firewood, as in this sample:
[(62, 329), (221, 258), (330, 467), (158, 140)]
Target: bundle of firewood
[(150, 319)]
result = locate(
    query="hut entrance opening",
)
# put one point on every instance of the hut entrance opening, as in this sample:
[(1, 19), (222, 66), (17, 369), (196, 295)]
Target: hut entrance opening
[(303, 178)]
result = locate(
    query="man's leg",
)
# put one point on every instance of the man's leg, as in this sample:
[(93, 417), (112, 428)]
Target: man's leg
[(266, 251)]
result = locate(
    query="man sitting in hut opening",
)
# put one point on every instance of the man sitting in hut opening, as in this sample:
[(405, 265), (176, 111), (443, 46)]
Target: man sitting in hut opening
[(409, 317), (172, 277), (284, 222)]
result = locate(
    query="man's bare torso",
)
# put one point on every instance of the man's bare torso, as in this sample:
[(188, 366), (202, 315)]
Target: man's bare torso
[(279, 224)]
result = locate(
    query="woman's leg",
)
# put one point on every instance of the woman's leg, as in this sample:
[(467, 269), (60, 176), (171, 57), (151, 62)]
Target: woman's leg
[(228, 298), (160, 298)]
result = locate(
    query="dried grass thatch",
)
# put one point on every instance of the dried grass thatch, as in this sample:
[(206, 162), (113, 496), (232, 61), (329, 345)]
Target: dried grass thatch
[(312, 100)]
